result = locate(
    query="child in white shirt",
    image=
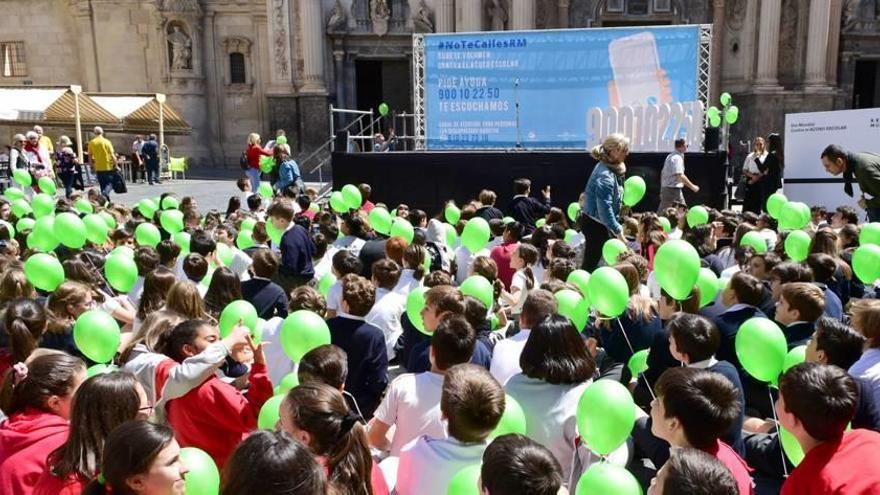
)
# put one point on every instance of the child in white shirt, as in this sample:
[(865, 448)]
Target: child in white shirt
[(413, 270), (343, 263), (389, 306), (523, 280)]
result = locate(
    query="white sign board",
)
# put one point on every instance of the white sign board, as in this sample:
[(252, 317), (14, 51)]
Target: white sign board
[(807, 134)]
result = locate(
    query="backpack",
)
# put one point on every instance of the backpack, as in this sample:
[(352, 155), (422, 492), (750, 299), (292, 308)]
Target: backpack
[(243, 161)]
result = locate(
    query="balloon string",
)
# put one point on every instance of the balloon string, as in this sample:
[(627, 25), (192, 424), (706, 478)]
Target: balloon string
[(779, 433), (650, 390)]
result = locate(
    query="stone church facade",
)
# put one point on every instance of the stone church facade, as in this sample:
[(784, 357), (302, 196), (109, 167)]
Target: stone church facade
[(232, 67)]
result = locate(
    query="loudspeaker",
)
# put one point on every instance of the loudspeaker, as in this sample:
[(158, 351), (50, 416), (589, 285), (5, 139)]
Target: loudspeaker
[(340, 144), (712, 139)]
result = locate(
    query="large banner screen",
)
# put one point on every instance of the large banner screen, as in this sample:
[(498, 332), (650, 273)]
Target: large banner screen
[(561, 88)]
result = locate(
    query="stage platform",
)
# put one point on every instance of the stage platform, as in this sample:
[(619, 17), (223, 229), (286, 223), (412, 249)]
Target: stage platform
[(427, 180)]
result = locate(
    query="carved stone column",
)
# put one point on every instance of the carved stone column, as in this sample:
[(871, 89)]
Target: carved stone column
[(768, 45), (831, 57), (468, 15), (338, 56), (522, 14), (278, 16), (312, 24), (817, 44), (444, 15)]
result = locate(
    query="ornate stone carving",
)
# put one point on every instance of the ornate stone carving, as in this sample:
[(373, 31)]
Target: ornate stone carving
[(379, 14), (279, 10), (421, 18), (736, 14), (179, 5), (497, 14), (180, 48), (338, 18), (788, 28)]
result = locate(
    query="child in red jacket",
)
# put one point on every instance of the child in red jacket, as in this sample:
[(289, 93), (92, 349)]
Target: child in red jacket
[(214, 416)]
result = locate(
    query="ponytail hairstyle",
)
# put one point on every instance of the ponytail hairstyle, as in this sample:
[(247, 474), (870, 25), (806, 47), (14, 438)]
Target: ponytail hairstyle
[(272, 462), (48, 375), (13, 284), (529, 254), (102, 403), (67, 294), (488, 269), (157, 283), (336, 433), (130, 450), (25, 321), (414, 258), (613, 142)]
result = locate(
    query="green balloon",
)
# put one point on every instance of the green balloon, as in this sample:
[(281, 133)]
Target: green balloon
[(265, 190), (507, 220), (380, 220), (96, 335), (608, 291), (794, 215), (775, 203), (754, 240), (707, 282), (352, 196), (797, 245), (715, 120), (147, 208), (633, 190), (383, 109), (612, 249), (325, 283), (108, 218), (638, 363), (605, 415), (225, 253), (43, 235), (248, 224), (569, 235), (245, 239), (314, 208), (581, 280), (96, 229), (513, 420), (203, 477), (791, 446), (172, 221), (47, 185), (121, 272), (301, 332), (794, 357), (664, 222), (725, 98), (147, 234), (476, 234), (83, 205), (9, 227), (238, 311), (540, 222), (182, 240), (452, 214), (21, 208), (574, 307), (267, 163), (23, 177), (270, 413), (697, 215), (400, 227), (870, 234), (573, 211), (415, 303), (274, 233), (13, 193), (606, 479), (43, 205), (477, 286), (70, 230), (170, 203), (289, 381), (122, 251), (732, 115), (100, 369), (44, 271), (465, 482), (677, 267), (866, 263), (451, 235), (761, 349), (337, 202), (713, 111), (26, 223)]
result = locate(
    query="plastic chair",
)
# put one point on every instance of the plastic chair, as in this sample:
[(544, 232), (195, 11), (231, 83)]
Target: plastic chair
[(177, 165)]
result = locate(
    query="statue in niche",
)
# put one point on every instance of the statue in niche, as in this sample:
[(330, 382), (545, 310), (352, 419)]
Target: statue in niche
[(338, 19), (181, 49), (422, 19), (498, 15), (380, 13)]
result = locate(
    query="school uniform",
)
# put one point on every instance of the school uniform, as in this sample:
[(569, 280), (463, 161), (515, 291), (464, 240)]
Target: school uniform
[(408, 341), (364, 345), (505, 356), (728, 324), (26, 440), (267, 297), (833, 305), (640, 334), (798, 333), (733, 437), (385, 315), (420, 359), (527, 210), (428, 464), (412, 405)]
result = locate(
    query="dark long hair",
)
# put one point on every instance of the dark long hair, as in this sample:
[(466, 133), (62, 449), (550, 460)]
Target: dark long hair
[(556, 353), (25, 321), (225, 287), (102, 403), (271, 462), (157, 283), (129, 450), (336, 434), (48, 375)]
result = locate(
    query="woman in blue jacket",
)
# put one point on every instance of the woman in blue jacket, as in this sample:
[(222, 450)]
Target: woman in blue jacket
[(288, 170), (602, 196)]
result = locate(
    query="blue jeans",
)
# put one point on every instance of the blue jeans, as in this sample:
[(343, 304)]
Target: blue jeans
[(152, 172), (105, 181), (254, 175), (67, 179)]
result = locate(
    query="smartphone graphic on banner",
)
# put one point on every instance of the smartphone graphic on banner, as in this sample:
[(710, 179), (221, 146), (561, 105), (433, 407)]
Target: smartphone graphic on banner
[(635, 65)]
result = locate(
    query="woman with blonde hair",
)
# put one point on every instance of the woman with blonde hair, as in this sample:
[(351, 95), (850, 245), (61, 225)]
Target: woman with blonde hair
[(64, 306), (253, 154), (601, 199), (184, 299)]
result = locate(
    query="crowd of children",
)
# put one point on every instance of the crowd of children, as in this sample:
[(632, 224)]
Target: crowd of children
[(400, 402)]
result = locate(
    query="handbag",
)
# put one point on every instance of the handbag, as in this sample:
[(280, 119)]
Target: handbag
[(119, 186)]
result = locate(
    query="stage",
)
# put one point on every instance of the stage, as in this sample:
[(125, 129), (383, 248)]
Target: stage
[(426, 180)]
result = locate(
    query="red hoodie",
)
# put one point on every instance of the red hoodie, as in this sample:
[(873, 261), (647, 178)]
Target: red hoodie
[(52, 485), (215, 416), (26, 440)]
